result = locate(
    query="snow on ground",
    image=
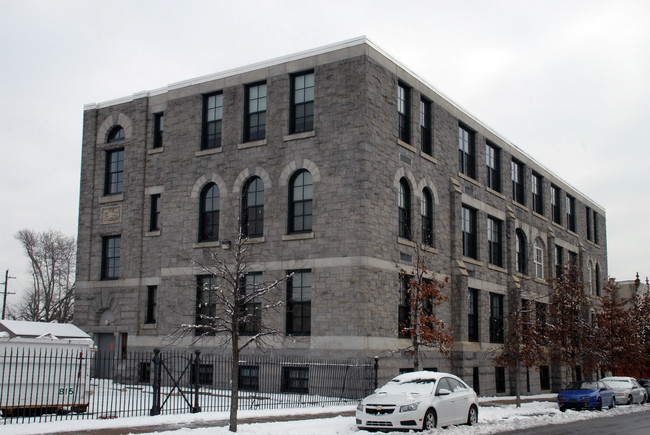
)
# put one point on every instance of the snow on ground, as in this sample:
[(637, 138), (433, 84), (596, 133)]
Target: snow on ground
[(492, 419)]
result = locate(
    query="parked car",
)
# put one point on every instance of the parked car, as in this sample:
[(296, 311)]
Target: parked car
[(627, 390), (586, 394), (419, 400), (645, 383)]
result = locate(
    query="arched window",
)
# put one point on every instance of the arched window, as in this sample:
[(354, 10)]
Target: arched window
[(590, 277), (520, 250), (597, 279), (252, 224), (301, 192), (404, 209), (116, 134), (209, 214), (538, 257), (426, 210)]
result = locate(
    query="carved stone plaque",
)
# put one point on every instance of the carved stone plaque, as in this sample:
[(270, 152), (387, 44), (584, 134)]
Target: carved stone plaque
[(112, 214)]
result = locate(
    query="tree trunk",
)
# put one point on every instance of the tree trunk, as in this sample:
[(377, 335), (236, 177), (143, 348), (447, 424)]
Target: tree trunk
[(234, 380)]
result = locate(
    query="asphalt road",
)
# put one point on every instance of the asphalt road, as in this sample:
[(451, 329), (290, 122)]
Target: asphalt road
[(636, 423)]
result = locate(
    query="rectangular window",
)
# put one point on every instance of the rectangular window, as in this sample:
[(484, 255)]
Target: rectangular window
[(595, 227), (425, 126), (544, 378), (114, 180), (472, 315), (573, 259), (111, 257), (571, 213), (144, 372), (493, 166), (538, 259), (540, 314), (466, 152), (404, 307), (559, 261), (476, 380), (154, 218), (206, 374), (537, 189), (555, 205), (295, 380), (251, 315), (212, 121), (158, 128), (500, 379), (206, 303), (255, 120), (588, 223), (469, 232), (150, 316), (299, 303), (249, 378), (302, 102), (495, 241), (517, 175), (496, 318), (404, 113)]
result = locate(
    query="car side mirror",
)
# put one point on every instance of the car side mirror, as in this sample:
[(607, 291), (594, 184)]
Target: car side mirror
[(443, 392)]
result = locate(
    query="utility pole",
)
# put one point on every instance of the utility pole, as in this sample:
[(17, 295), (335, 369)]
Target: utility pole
[(4, 301)]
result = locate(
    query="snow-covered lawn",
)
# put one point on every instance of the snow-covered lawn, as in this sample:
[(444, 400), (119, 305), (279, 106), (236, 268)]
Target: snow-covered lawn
[(492, 419)]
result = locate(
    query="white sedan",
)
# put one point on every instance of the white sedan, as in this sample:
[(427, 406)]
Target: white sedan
[(419, 400), (626, 390)]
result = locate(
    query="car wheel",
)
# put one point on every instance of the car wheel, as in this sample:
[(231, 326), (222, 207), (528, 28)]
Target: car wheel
[(629, 400), (562, 409), (613, 404), (429, 420), (472, 416), (599, 404), (643, 400)]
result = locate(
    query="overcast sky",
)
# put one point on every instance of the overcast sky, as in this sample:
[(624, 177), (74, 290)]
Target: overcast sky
[(566, 81)]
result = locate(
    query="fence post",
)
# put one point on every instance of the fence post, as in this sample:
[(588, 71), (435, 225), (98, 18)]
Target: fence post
[(155, 408), (196, 408), (376, 370)]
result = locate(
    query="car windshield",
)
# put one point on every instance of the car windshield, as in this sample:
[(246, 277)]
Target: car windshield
[(414, 386), (619, 382), (584, 385)]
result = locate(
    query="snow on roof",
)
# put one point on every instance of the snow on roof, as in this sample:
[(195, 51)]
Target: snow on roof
[(20, 328), (415, 376)]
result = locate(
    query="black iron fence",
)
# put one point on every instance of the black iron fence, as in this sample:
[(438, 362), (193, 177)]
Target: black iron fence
[(56, 384)]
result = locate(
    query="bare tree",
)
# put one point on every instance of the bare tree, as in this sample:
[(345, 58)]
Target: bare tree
[(52, 265), (421, 293), (232, 303)]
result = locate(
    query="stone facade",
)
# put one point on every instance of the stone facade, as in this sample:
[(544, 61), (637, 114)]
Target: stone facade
[(356, 161)]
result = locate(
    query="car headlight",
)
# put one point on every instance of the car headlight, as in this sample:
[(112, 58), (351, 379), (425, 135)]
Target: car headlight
[(585, 398), (409, 407), (360, 407)]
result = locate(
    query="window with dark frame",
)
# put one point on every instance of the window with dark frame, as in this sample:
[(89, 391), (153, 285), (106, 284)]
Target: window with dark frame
[(570, 213), (520, 251), (404, 113), (249, 378), (540, 313), (597, 276), (295, 380), (469, 232), (500, 379), (301, 191), (425, 126), (206, 303), (596, 239), (150, 317), (493, 166), (253, 207), (495, 241), (473, 315), (212, 121), (588, 216), (250, 321), (476, 380), (559, 261), (556, 214), (209, 213), (404, 209), (299, 302), (496, 318), (426, 212), (158, 129), (404, 307), (517, 175), (111, 247), (154, 217), (466, 152), (116, 134), (206, 375), (255, 120), (536, 188), (538, 259), (114, 181), (302, 102), (544, 378)]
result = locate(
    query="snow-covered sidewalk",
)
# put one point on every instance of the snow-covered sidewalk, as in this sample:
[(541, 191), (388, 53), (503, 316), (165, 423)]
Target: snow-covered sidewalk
[(492, 419)]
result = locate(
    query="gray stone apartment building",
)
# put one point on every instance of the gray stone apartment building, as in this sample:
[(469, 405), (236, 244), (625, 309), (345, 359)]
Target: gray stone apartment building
[(339, 160)]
